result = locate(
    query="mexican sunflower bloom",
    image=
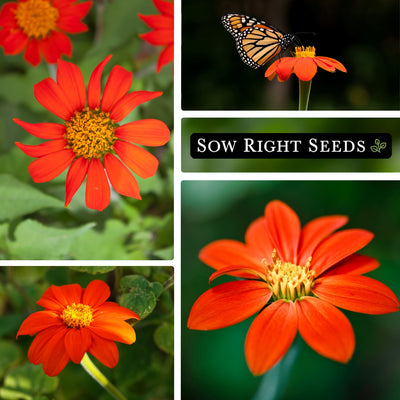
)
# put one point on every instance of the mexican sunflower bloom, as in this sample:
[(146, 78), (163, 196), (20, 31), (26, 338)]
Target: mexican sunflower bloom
[(304, 65), (294, 279), (163, 31), (75, 321), (40, 27), (91, 138)]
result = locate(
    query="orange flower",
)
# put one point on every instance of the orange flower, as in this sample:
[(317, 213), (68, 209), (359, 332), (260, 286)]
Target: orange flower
[(90, 134), (304, 64), (294, 278), (39, 27), (76, 321), (163, 33)]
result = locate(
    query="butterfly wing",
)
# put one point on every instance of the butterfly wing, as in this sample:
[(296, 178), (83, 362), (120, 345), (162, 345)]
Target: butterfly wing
[(256, 41)]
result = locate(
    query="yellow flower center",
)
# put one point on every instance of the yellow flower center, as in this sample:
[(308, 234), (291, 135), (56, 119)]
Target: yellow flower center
[(36, 18), (289, 281), (90, 133), (309, 51), (77, 315)]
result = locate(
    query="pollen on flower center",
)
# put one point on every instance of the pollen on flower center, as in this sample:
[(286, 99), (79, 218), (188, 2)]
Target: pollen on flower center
[(309, 51), (289, 281), (36, 18), (77, 315), (90, 133)]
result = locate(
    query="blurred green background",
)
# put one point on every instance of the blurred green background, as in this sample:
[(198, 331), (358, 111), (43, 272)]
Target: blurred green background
[(145, 368), (290, 125), (362, 35), (33, 221), (213, 363)]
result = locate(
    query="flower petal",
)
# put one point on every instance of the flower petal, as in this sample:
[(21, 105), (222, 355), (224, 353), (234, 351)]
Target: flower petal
[(165, 7), (77, 342), (337, 247), (69, 19), (106, 351), (113, 310), (148, 132), (118, 83), (271, 70), (258, 240), (127, 103), (285, 68), (97, 186), (120, 177), (284, 229), (245, 272), (165, 57), (14, 42), (42, 149), (75, 177), (225, 253), (314, 232), (94, 86), (32, 52), (157, 21), (70, 80), (43, 130), (228, 304), (332, 62), (356, 264), (113, 329), (270, 336), (305, 68), (139, 160), (38, 321), (325, 329), (7, 14), (48, 167), (96, 293), (159, 37), (56, 297), (356, 293), (54, 45)]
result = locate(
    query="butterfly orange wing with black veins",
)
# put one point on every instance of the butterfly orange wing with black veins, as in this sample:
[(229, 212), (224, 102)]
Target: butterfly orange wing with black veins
[(256, 41)]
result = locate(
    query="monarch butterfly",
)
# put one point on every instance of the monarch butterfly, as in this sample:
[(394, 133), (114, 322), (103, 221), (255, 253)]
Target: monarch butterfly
[(256, 41)]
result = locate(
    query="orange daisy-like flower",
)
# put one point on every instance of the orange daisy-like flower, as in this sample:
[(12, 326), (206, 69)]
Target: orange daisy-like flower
[(76, 321), (39, 27), (294, 278), (90, 135), (163, 33), (304, 64)]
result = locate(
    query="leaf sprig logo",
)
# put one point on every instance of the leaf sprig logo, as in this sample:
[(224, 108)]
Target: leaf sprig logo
[(378, 146)]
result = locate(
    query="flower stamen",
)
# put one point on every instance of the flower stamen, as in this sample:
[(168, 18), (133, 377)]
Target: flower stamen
[(77, 315), (36, 18), (90, 133), (289, 281), (302, 51)]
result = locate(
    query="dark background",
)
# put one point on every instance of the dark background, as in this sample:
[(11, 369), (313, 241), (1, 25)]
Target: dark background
[(363, 35)]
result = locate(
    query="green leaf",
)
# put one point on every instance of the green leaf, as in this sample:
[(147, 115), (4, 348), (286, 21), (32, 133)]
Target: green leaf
[(93, 270), (18, 199), (9, 355), (374, 149), (383, 145), (377, 141), (27, 382), (139, 295), (34, 241), (164, 337)]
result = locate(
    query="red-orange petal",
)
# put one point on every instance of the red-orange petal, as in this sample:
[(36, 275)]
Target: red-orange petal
[(139, 160), (43, 130), (247, 272), (165, 57), (54, 45), (325, 329), (7, 14), (15, 42), (337, 247), (356, 264), (113, 329), (38, 321), (58, 297), (113, 310), (270, 336), (165, 7), (70, 80), (121, 178), (69, 19), (77, 342), (55, 356), (51, 97), (118, 83), (258, 240), (285, 68), (159, 37), (228, 304), (106, 351), (94, 86), (331, 61), (97, 186), (314, 232), (157, 21), (75, 177), (356, 293), (305, 68), (271, 70), (131, 100), (148, 132), (96, 293), (284, 229), (32, 52), (225, 253), (48, 167), (42, 149)]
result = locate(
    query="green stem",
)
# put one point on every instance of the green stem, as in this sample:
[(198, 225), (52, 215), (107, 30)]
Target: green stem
[(304, 94), (95, 373), (52, 71)]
